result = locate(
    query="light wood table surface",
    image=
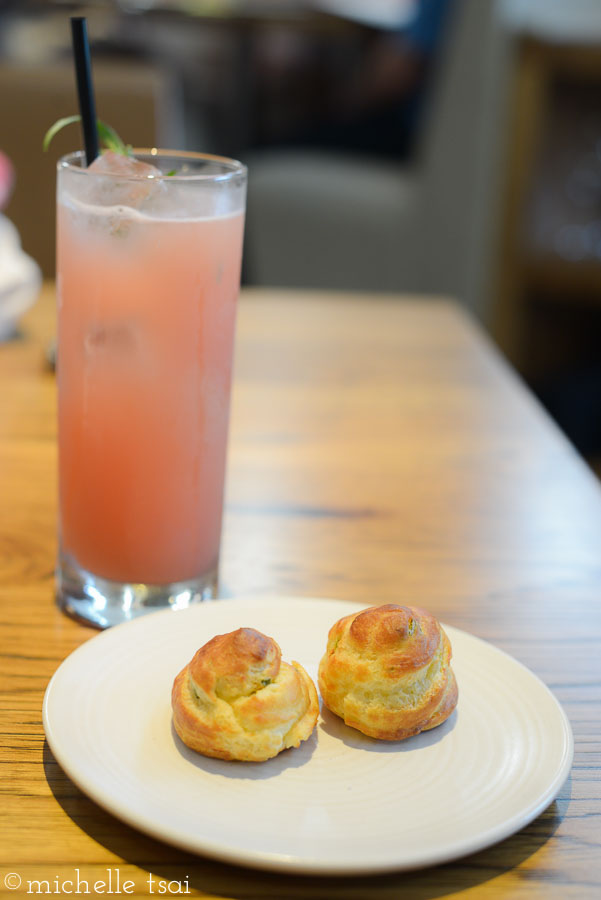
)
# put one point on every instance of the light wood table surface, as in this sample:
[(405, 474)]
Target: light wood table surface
[(380, 451)]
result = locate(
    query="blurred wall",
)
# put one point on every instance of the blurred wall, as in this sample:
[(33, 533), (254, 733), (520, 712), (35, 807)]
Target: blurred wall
[(32, 97)]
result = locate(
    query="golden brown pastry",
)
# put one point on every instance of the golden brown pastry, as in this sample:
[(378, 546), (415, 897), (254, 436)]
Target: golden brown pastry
[(386, 672), (236, 699)]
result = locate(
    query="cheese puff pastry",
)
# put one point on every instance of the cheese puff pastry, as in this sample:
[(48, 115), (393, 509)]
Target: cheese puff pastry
[(237, 699), (386, 672)]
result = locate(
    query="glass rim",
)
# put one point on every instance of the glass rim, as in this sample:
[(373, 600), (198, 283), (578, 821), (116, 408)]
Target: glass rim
[(233, 168)]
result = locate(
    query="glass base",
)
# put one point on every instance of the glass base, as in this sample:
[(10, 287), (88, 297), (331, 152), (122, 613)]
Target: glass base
[(100, 602)]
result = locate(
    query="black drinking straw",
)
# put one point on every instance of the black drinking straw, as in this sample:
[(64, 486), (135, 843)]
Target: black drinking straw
[(85, 87)]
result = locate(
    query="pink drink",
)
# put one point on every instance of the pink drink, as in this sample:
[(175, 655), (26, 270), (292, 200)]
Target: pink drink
[(147, 300)]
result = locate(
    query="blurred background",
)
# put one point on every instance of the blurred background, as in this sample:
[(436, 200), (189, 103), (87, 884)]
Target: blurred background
[(417, 146)]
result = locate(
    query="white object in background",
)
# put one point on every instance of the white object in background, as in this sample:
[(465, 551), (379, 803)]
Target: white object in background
[(20, 278), (387, 14)]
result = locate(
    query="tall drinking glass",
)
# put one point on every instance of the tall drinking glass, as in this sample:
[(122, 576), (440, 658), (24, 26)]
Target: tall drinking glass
[(148, 275)]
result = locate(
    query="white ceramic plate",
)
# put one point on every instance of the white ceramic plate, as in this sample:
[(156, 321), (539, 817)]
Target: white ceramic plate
[(341, 803)]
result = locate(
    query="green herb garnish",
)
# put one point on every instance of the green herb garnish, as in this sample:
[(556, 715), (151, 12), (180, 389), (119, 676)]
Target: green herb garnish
[(172, 172), (107, 136), (265, 681), (111, 140)]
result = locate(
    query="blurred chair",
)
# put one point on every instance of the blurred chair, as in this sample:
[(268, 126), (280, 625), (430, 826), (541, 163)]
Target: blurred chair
[(135, 98), (327, 219)]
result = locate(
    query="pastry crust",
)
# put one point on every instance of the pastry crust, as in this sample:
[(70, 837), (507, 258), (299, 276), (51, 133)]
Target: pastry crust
[(237, 699), (387, 672)]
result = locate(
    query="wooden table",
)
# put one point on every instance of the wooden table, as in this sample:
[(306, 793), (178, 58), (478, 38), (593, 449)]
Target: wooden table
[(380, 451)]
